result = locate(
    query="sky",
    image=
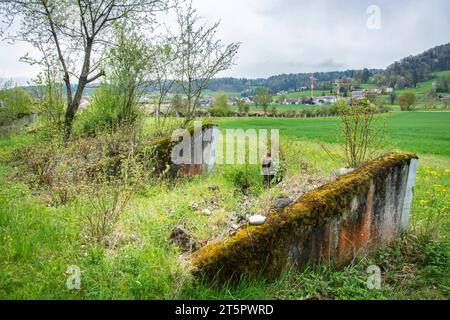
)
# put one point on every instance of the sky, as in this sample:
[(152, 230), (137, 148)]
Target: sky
[(299, 36)]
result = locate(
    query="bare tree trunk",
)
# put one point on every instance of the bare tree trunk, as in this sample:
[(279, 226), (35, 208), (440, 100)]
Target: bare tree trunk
[(74, 103)]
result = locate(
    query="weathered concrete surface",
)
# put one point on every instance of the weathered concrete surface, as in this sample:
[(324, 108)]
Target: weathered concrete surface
[(195, 150), (358, 212), (203, 141)]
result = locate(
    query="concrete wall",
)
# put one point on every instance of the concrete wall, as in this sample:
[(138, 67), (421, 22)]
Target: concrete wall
[(203, 138), (356, 213)]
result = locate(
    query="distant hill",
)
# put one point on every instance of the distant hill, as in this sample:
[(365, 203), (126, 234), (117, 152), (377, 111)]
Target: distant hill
[(284, 82), (410, 71)]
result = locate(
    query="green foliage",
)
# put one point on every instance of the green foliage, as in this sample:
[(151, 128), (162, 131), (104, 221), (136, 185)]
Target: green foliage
[(138, 261), (443, 85), (103, 112), (128, 64), (263, 98), (361, 130), (116, 102), (392, 97), (407, 101), (50, 101), (220, 107), (242, 106), (408, 72), (14, 103), (178, 104), (245, 178)]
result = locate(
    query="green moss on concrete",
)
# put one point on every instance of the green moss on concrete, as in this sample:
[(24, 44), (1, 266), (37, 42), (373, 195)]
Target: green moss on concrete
[(159, 152), (263, 250)]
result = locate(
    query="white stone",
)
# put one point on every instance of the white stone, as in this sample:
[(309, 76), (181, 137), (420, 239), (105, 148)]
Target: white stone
[(344, 171), (257, 220), (206, 212)]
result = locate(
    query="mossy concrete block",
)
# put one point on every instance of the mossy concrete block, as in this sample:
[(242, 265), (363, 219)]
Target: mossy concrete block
[(200, 161), (357, 212)]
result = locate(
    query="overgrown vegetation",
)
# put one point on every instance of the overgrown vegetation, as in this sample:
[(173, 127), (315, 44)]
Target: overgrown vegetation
[(135, 260), (106, 200), (14, 104)]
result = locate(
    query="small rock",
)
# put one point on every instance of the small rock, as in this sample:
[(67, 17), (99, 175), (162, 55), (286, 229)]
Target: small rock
[(257, 220), (206, 212), (344, 171), (282, 203), (213, 187), (234, 226), (181, 237), (195, 206)]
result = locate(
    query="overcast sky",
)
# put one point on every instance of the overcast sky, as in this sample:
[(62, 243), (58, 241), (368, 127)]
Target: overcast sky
[(295, 36)]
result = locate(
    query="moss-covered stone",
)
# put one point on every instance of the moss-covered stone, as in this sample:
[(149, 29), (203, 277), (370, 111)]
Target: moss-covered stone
[(159, 152), (264, 250)]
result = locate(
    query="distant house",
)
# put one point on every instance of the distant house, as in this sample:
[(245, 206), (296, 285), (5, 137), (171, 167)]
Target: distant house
[(373, 90), (358, 95), (206, 102), (247, 100), (292, 101), (325, 100)]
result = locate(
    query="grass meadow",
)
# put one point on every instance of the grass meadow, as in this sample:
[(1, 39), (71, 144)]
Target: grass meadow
[(39, 241)]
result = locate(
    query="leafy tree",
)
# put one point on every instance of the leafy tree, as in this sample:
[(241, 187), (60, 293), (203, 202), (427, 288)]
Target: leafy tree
[(14, 103), (246, 109), (392, 97), (273, 110), (177, 103), (199, 56), (263, 98), (407, 101), (241, 105), (220, 106), (443, 85), (372, 97), (116, 102), (282, 97), (362, 130), (365, 75), (78, 33), (128, 66)]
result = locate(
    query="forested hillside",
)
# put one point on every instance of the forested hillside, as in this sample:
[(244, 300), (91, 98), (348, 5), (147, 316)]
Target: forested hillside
[(408, 72)]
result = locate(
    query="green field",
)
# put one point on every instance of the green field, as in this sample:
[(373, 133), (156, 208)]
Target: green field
[(424, 87), (421, 132), (40, 240), (282, 107)]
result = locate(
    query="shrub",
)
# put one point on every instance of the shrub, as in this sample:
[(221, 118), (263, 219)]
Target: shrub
[(361, 129), (60, 173), (106, 203), (103, 113), (14, 104), (246, 178), (220, 107)]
